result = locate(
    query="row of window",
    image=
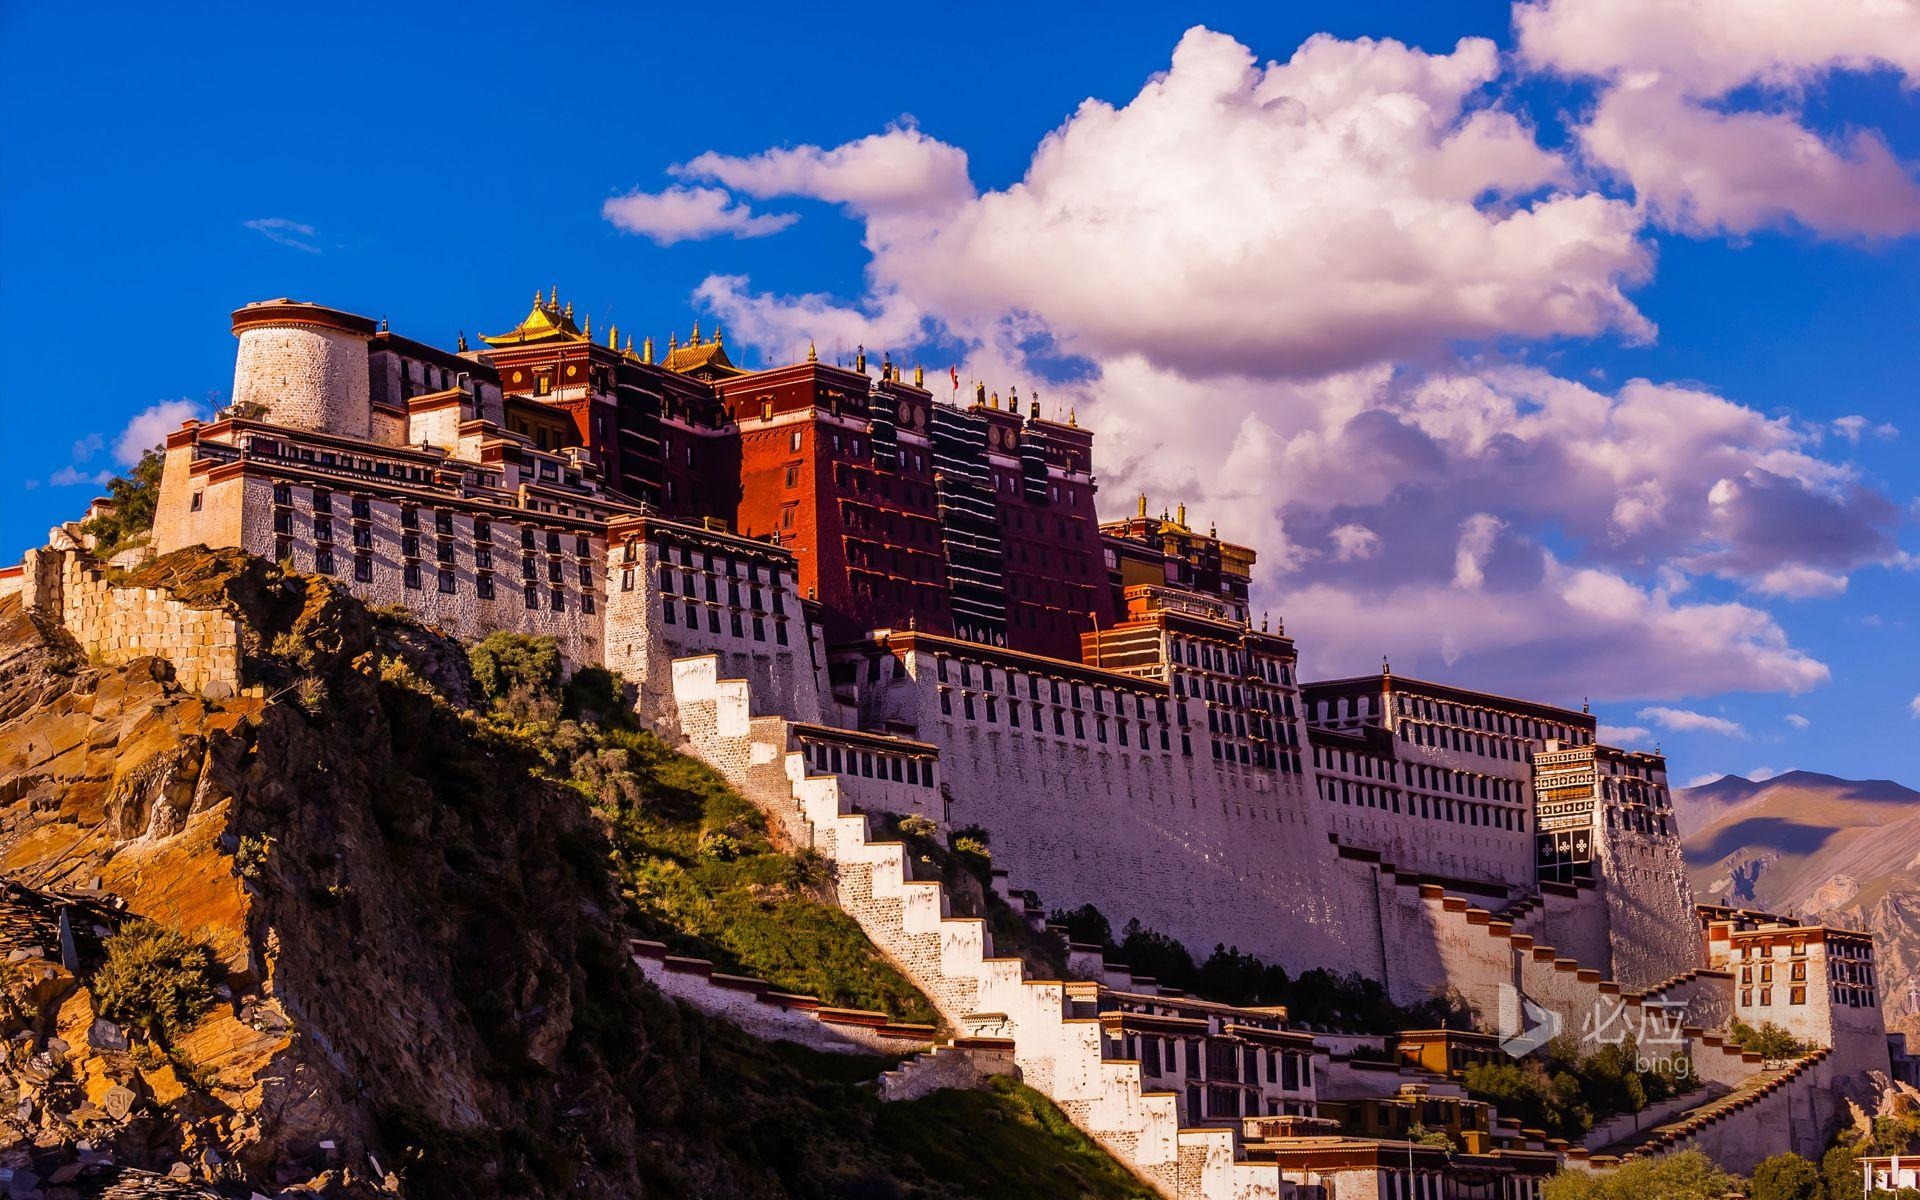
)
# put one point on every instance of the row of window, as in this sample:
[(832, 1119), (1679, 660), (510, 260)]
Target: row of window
[(1036, 711), (1224, 1061), (1421, 775), (446, 579), (1074, 695), (1488, 720), (869, 764), (1433, 808), (686, 613), (361, 510)]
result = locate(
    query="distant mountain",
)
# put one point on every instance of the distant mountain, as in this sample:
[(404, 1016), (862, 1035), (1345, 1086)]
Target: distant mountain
[(1839, 851)]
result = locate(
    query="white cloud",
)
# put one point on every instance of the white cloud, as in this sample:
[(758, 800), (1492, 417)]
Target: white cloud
[(1359, 201), (790, 322), (1762, 774), (682, 213), (1623, 735), (1703, 165), (1354, 543), (1855, 427), (1797, 582), (294, 235), (901, 170), (1682, 720), (1913, 709), (150, 427), (1798, 721), (70, 476), (1703, 780)]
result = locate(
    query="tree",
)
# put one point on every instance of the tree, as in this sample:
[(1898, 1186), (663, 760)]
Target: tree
[(519, 673), (134, 496), (1769, 1041), (1687, 1176), (1787, 1177), (157, 980)]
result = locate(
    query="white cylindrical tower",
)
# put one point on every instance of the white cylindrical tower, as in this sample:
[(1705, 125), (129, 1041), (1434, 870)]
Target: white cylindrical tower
[(304, 366)]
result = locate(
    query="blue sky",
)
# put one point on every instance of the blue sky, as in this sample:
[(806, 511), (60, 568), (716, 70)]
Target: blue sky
[(1323, 306)]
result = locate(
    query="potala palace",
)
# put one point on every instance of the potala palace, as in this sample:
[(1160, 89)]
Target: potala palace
[(854, 597)]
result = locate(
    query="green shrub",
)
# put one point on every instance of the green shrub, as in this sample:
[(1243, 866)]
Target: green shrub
[(1689, 1175), (1768, 1041), (1787, 1177), (155, 979), (518, 673)]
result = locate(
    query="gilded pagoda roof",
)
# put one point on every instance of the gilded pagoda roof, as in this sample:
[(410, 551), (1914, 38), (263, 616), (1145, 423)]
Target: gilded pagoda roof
[(701, 358), (547, 322)]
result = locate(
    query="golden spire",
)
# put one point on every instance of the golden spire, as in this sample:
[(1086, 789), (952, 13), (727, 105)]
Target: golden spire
[(586, 330), (1143, 504), (995, 401), (1073, 417), (1213, 530), (695, 339), (1013, 399), (613, 337), (860, 360), (646, 348), (919, 376), (812, 354), (463, 341), (539, 301), (673, 342), (716, 335), (553, 297), (569, 313), (1181, 519)]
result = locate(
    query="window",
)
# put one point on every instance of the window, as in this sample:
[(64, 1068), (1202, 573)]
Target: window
[(363, 568), (793, 474), (793, 441), (446, 582), (483, 585), (533, 595), (323, 560), (362, 508), (557, 599), (195, 505), (282, 493), (409, 517), (442, 521), (586, 602), (412, 574)]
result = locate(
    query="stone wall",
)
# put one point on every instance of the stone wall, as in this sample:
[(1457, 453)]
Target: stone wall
[(120, 624), (1652, 932), (1205, 851), (967, 1063)]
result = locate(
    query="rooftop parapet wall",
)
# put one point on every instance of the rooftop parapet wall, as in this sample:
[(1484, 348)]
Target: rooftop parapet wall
[(118, 625)]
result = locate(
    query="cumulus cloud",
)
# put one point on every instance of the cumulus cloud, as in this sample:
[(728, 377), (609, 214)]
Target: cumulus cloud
[(1855, 427), (1682, 720), (1360, 201), (295, 235), (1623, 735), (1913, 710), (680, 214), (150, 426), (69, 476), (1798, 721), (1261, 283), (1762, 774), (1704, 165)]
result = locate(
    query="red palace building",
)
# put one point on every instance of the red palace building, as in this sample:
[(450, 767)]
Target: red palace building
[(967, 520)]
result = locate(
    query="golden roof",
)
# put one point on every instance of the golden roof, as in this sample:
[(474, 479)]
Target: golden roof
[(698, 357), (548, 322)]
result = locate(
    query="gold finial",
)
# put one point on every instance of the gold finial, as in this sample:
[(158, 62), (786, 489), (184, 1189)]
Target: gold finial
[(716, 335), (860, 360), (553, 297), (673, 342), (539, 301), (1073, 417), (1143, 504), (979, 391), (1033, 407), (1263, 622), (1181, 520), (1013, 399), (613, 337), (646, 348), (813, 355), (569, 313), (463, 341), (1386, 668), (1213, 530), (586, 330), (1583, 706), (919, 376), (695, 339)]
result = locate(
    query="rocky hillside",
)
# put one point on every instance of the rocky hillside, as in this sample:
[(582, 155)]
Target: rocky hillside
[(338, 935), (1838, 850)]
